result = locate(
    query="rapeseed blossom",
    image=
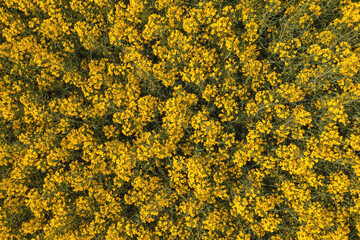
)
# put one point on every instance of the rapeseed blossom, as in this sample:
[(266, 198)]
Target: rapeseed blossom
[(172, 119)]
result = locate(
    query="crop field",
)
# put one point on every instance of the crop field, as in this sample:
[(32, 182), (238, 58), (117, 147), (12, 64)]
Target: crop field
[(179, 119)]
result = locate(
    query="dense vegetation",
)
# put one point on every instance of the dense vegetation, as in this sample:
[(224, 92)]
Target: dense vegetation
[(179, 119)]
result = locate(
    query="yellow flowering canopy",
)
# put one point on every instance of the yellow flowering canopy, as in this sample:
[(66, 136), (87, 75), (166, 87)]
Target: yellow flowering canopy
[(174, 119)]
